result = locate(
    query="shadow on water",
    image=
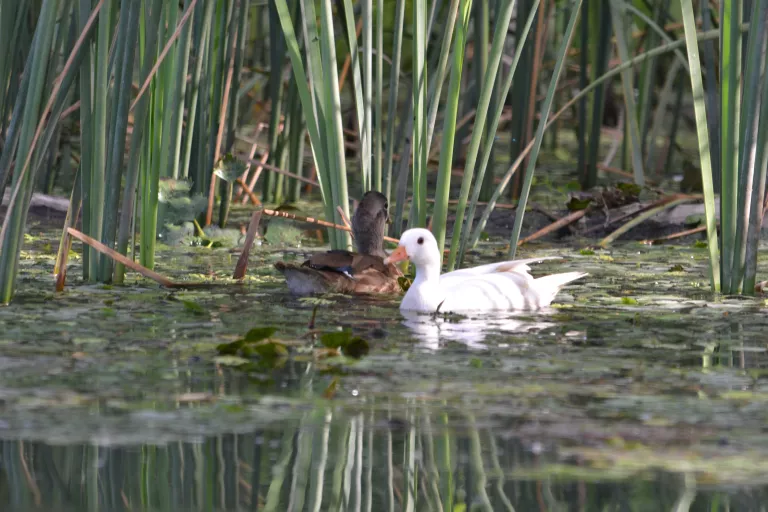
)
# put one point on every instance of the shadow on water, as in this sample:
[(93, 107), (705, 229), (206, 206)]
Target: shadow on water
[(638, 390)]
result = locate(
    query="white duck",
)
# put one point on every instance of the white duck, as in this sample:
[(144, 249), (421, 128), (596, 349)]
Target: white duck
[(496, 286)]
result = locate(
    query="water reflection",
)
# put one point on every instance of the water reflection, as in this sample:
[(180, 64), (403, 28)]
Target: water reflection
[(371, 460), (123, 407), (432, 330)]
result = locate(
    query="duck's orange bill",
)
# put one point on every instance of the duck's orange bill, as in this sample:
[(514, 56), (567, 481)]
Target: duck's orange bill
[(397, 255)]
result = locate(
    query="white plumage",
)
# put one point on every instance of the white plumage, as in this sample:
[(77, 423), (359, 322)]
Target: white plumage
[(507, 285)]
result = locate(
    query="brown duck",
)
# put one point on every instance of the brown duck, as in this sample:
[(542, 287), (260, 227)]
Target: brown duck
[(339, 271)]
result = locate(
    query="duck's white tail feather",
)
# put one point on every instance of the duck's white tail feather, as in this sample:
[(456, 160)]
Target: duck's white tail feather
[(548, 286)]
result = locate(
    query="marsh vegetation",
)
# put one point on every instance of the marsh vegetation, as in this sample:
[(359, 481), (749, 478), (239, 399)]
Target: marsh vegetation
[(628, 138)]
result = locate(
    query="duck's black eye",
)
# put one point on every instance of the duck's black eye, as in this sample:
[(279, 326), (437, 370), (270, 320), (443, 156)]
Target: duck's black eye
[(420, 241)]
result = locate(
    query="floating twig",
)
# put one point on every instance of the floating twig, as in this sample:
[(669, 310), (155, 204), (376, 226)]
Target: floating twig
[(565, 221), (538, 208), (646, 207), (617, 219), (242, 261), (667, 202), (673, 236), (151, 274)]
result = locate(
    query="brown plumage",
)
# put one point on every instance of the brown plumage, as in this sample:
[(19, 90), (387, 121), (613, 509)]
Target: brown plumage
[(338, 271)]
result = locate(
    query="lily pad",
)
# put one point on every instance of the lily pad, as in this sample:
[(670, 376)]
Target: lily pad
[(576, 203), (265, 349), (230, 349), (352, 346), (253, 336), (259, 333)]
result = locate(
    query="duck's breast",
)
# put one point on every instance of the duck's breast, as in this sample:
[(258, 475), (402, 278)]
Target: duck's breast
[(422, 297)]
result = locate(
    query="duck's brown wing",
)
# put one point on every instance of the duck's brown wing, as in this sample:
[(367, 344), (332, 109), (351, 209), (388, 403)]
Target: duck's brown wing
[(362, 262), (333, 261), (369, 278), (348, 263), (372, 281), (305, 280)]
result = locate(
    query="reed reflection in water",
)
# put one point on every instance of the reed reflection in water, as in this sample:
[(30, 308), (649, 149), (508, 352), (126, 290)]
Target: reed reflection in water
[(419, 459)]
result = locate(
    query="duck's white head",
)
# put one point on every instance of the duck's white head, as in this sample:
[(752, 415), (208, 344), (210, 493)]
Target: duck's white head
[(417, 245)]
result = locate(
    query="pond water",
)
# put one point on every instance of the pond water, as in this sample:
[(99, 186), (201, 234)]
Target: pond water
[(638, 390)]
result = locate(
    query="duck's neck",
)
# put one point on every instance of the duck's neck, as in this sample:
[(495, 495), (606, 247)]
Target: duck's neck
[(370, 242), (424, 294), (427, 274)]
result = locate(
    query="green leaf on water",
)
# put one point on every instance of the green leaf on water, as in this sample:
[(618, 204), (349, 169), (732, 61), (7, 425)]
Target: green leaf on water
[(253, 344), (694, 220), (356, 348), (259, 333), (265, 350), (587, 252), (193, 307), (230, 349), (335, 339), (629, 301), (631, 189), (572, 186), (352, 346), (230, 360), (576, 203)]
